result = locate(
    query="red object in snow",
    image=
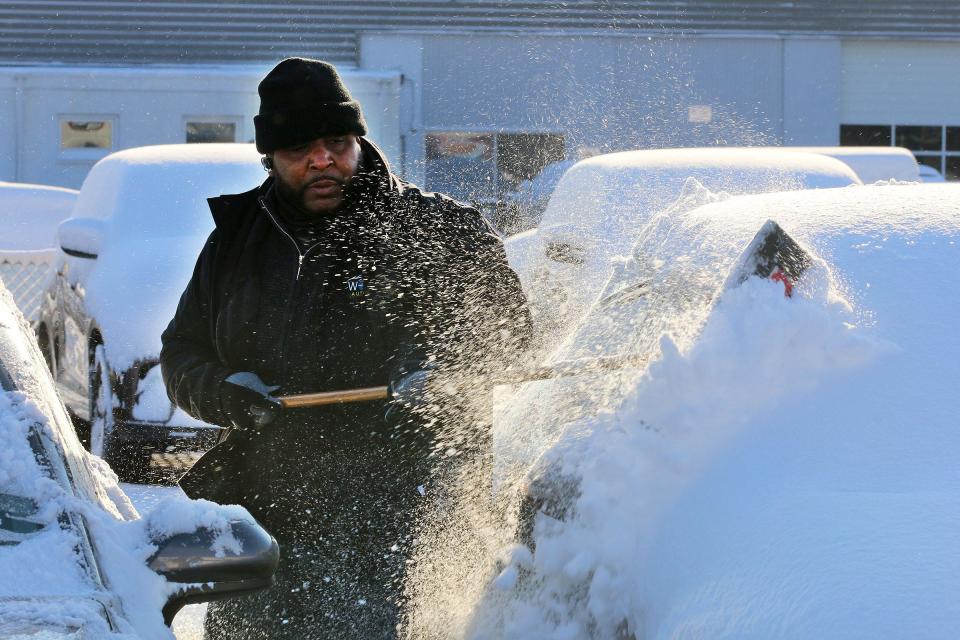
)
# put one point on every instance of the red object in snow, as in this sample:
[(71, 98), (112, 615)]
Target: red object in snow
[(780, 276)]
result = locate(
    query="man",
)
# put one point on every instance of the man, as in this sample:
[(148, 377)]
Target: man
[(335, 274)]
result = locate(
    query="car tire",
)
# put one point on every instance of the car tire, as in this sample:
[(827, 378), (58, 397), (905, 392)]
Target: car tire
[(130, 461)]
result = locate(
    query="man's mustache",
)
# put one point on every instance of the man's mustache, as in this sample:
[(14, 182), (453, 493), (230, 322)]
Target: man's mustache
[(323, 178)]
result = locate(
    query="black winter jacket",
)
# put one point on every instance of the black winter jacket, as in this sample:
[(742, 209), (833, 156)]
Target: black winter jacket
[(402, 279)]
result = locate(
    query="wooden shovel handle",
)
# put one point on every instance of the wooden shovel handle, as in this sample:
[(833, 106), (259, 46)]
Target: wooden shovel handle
[(574, 368), (334, 397)]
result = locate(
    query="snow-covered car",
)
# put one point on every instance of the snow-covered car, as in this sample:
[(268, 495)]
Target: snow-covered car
[(600, 205), (128, 251), (76, 559), (771, 465), (930, 174), (30, 214), (873, 164)]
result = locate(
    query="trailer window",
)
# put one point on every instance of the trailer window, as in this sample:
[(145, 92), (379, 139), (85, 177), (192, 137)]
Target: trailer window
[(86, 134), (198, 132)]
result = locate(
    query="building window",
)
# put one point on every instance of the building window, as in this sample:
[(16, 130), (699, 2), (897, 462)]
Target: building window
[(480, 167), (920, 138), (936, 146), (930, 160), (462, 165), (865, 135), (76, 133), (522, 156), (198, 132), (952, 170), (953, 139)]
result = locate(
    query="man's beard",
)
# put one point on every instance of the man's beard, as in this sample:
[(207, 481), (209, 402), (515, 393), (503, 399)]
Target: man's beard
[(297, 198)]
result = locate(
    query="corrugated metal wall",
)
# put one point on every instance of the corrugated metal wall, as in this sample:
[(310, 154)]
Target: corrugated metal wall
[(182, 31)]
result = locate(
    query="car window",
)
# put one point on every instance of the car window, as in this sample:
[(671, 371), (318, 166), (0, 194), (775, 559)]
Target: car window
[(18, 518)]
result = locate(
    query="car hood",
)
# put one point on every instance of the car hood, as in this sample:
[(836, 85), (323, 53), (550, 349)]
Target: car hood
[(133, 292)]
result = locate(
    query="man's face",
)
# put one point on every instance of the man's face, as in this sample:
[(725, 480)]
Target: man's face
[(315, 174)]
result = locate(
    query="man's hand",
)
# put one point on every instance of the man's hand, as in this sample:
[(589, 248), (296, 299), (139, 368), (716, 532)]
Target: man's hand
[(247, 401), (407, 394)]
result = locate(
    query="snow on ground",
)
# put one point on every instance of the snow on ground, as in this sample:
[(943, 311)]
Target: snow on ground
[(787, 470)]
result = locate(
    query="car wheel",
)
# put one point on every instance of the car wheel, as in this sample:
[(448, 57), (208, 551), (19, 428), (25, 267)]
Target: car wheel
[(130, 461)]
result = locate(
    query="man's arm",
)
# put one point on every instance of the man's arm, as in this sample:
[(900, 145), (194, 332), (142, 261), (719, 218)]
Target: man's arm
[(490, 322), (192, 372), (468, 322), (469, 310)]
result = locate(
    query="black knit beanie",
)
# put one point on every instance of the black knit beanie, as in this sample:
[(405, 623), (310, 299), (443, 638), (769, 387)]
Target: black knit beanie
[(302, 100)]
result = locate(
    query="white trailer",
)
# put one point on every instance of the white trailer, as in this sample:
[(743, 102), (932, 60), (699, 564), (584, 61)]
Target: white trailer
[(63, 119)]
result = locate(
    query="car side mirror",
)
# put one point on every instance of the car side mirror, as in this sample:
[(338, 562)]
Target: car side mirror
[(81, 237), (205, 572)]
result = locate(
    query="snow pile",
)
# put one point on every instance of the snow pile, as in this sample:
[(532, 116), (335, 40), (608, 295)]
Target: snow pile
[(152, 402), (49, 562), (789, 469), (19, 471), (46, 563), (20, 476), (177, 514), (637, 459)]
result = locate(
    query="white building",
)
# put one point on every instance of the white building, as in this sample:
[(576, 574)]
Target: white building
[(470, 96)]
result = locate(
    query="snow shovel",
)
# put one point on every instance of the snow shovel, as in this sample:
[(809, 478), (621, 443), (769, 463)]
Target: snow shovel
[(562, 370), (772, 254)]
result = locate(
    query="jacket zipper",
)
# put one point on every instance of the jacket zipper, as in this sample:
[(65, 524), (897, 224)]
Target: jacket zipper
[(296, 247), (296, 284)]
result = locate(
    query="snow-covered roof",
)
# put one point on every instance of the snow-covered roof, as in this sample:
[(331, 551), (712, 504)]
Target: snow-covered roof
[(607, 191), (873, 164), (158, 186)]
